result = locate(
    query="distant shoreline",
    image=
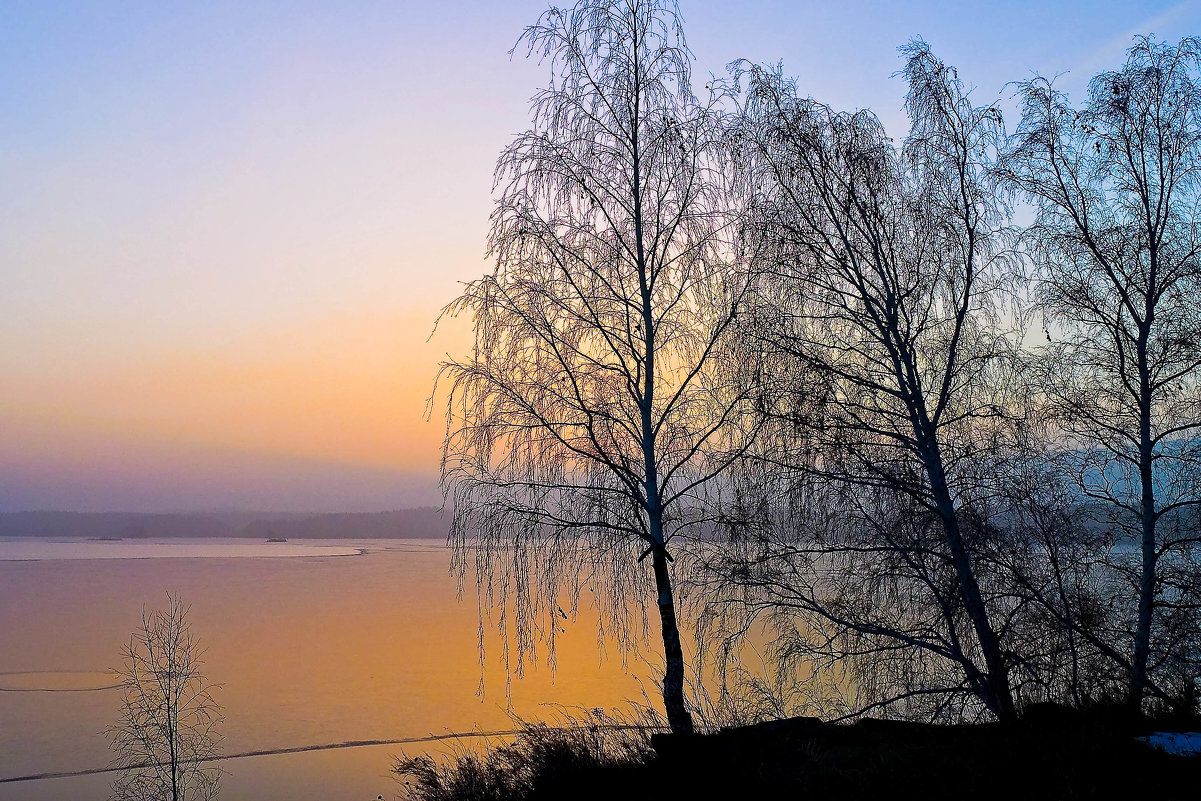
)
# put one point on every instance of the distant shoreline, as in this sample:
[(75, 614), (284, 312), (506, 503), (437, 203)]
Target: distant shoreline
[(418, 523)]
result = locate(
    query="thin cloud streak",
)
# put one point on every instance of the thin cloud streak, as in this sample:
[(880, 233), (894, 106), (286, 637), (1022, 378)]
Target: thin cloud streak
[(1111, 54)]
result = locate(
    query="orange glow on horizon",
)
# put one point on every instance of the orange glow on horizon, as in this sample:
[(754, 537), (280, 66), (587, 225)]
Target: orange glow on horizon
[(351, 388)]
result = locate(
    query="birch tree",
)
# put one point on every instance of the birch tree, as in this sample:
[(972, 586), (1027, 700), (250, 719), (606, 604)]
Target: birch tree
[(599, 400), (1116, 239), (168, 731), (880, 322)]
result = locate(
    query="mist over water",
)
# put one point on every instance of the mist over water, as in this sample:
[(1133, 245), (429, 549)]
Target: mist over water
[(309, 649)]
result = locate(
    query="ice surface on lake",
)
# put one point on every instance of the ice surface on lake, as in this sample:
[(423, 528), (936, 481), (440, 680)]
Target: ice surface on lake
[(308, 651), (32, 548)]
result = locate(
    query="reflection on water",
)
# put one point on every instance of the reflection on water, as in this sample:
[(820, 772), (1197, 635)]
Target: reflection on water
[(312, 650)]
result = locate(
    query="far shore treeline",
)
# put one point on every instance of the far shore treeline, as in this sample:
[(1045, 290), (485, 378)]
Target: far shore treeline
[(419, 523)]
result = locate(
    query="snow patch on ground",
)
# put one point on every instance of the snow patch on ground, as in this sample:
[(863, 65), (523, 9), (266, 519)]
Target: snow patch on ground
[(1186, 743)]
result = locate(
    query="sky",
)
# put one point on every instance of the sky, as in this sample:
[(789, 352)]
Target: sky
[(227, 228)]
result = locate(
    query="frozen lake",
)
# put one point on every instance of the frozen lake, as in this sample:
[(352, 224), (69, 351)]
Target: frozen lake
[(28, 548), (313, 643)]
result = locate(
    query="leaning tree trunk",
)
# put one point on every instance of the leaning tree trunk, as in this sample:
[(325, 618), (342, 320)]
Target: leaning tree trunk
[(678, 717), (996, 690)]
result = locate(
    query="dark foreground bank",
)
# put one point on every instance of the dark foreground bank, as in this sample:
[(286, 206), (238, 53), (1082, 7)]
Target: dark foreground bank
[(1051, 754)]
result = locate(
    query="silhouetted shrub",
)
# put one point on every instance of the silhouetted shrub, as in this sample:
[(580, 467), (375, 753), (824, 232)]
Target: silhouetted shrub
[(586, 756)]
